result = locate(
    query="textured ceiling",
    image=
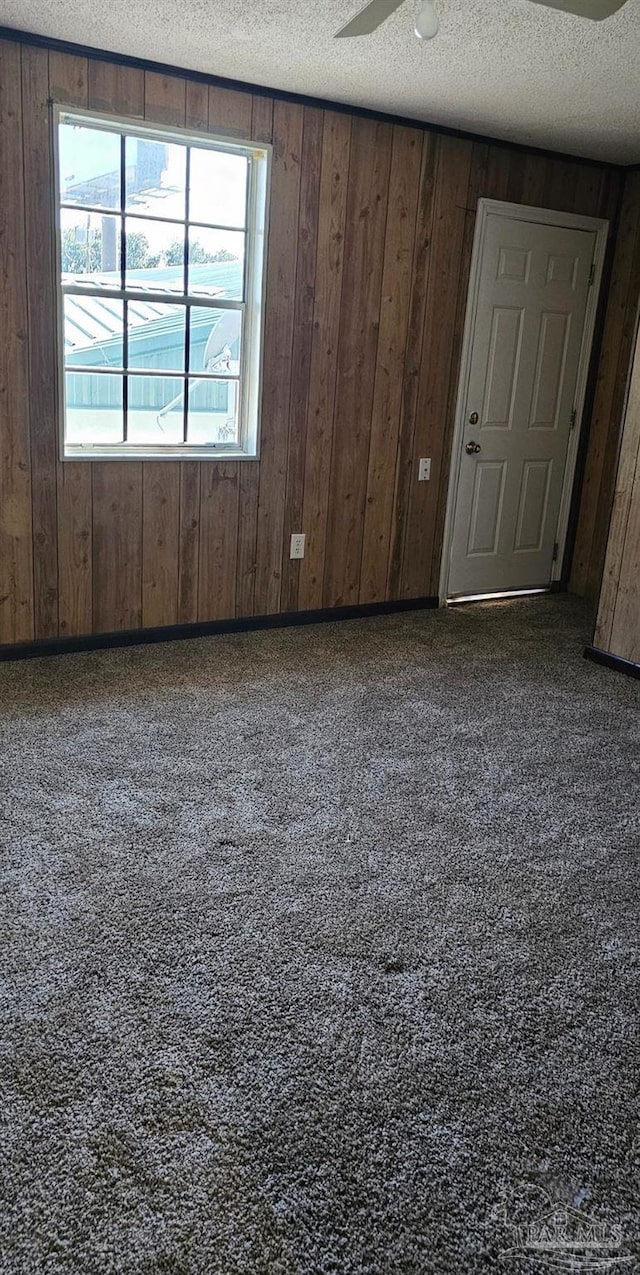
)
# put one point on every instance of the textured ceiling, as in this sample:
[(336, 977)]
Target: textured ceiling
[(507, 68)]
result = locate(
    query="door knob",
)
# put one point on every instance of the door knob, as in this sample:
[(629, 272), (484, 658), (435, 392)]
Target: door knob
[(473, 419), (473, 448)]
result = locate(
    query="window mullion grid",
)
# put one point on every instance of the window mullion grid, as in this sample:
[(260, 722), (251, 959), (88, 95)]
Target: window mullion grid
[(161, 373), (187, 326), (146, 216), (212, 302), (128, 296), (123, 280)]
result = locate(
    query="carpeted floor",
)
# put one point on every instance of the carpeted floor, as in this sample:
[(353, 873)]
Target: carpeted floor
[(320, 949)]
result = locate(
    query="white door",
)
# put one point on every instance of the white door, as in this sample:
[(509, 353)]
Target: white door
[(526, 345)]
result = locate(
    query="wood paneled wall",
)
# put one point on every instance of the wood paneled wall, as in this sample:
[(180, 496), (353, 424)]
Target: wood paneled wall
[(597, 489), (370, 243), (618, 625)]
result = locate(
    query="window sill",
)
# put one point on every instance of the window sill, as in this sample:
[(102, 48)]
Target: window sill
[(150, 453)]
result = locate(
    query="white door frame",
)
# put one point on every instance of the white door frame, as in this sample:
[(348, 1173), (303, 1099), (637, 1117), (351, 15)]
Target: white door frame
[(546, 217)]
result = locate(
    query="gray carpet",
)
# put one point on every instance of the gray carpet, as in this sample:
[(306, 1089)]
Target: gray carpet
[(320, 949)]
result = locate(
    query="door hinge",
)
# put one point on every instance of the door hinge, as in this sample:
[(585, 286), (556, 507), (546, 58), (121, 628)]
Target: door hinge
[(556, 548), (592, 273), (574, 417)]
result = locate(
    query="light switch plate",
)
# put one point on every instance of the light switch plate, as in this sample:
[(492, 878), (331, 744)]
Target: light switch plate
[(424, 470)]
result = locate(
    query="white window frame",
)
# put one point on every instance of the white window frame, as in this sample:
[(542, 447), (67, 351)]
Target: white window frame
[(259, 156)]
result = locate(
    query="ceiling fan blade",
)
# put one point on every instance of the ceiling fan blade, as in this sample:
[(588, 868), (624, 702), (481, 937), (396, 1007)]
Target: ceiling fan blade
[(370, 18), (594, 9)]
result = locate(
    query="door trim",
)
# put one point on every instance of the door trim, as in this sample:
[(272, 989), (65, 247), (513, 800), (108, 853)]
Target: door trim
[(546, 217)]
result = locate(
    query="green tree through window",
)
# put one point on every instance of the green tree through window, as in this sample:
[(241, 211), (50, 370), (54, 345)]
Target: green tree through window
[(84, 255)]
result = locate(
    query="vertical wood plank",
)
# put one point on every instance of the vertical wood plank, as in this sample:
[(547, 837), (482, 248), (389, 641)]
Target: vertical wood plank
[(517, 173), (160, 542), (115, 89), (197, 117), (117, 485), (249, 477), (75, 548), (189, 541), (16, 537), (248, 489), (218, 541), (611, 197), (302, 344), (261, 118), (165, 98), (278, 347), (229, 112), (620, 514), (609, 207), (614, 359), (361, 298), (495, 183), (68, 84), (42, 321), (560, 184), (332, 215), (625, 632), (534, 175), (413, 357), (612, 443), (68, 78), (165, 102), (437, 370), (588, 190), (117, 545), (404, 181), (197, 105)]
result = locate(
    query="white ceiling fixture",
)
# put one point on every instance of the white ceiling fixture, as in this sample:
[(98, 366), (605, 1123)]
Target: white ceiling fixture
[(428, 24)]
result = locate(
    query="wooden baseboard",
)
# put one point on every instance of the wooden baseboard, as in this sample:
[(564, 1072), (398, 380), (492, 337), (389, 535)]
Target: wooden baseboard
[(615, 662), (210, 628)]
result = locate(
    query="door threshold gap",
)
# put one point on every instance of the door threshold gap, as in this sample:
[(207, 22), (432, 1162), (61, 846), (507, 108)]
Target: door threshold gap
[(492, 597)]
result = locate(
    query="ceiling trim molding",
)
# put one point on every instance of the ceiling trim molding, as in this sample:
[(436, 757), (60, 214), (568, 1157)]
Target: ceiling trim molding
[(301, 99)]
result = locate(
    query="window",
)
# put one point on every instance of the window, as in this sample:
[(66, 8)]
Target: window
[(161, 254)]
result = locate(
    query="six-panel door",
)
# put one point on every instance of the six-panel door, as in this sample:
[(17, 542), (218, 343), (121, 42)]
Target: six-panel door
[(526, 347)]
